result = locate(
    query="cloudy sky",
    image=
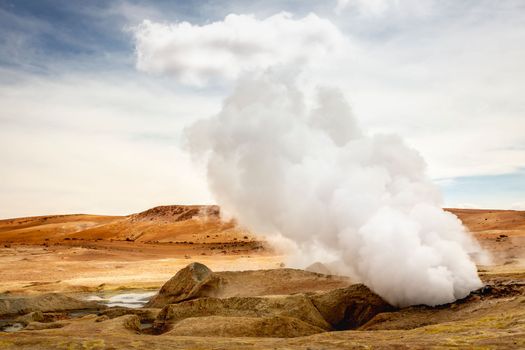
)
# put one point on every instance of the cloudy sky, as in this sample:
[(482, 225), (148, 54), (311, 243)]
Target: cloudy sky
[(95, 96)]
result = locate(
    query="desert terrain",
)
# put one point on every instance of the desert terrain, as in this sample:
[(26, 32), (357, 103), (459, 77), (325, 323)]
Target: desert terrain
[(179, 277)]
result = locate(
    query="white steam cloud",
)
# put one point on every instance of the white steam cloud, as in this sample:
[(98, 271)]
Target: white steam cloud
[(311, 175), (287, 167), (195, 54)]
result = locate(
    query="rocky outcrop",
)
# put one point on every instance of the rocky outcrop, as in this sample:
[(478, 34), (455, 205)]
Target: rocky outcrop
[(197, 294), (175, 213), (194, 281), (349, 308)]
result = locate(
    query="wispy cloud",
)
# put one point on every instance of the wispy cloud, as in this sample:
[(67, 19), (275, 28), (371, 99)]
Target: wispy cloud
[(195, 54)]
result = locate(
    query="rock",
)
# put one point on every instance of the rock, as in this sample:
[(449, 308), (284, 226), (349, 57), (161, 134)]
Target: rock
[(49, 302), (295, 306), (219, 326), (131, 322), (349, 308), (194, 281), (176, 213)]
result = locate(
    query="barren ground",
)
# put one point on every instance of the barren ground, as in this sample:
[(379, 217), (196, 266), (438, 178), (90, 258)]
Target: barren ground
[(79, 254)]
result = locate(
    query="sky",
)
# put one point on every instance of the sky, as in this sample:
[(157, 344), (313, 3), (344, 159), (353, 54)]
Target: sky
[(95, 96)]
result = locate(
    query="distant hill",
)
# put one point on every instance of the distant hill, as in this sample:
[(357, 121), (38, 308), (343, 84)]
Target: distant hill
[(203, 224), (173, 223)]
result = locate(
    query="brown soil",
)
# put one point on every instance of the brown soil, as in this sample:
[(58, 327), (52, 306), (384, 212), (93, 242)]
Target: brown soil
[(79, 253), (500, 232)]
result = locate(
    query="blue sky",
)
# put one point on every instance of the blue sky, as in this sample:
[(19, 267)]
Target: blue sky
[(83, 130)]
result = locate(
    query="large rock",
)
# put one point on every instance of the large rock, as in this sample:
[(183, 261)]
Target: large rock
[(194, 281), (295, 306), (219, 326), (50, 302), (349, 308)]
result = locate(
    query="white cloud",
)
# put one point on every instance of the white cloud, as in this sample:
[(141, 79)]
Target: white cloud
[(195, 54), (451, 84)]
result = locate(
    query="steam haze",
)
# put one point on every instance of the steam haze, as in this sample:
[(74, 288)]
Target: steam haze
[(292, 163), (342, 197)]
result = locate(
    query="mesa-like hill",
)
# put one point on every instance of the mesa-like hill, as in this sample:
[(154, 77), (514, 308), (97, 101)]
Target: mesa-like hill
[(163, 224), (502, 231)]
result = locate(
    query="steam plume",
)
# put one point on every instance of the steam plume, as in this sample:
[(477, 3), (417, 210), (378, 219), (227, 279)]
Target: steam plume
[(311, 175)]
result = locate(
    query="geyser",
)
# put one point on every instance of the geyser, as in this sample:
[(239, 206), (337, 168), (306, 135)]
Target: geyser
[(284, 167)]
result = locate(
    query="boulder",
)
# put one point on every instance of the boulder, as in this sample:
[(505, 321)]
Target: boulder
[(349, 308), (194, 281), (219, 326)]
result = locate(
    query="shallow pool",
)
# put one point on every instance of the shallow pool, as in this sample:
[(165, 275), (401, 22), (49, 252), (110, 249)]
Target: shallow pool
[(128, 299)]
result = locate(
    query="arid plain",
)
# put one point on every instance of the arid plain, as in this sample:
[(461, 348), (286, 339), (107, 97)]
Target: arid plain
[(57, 273)]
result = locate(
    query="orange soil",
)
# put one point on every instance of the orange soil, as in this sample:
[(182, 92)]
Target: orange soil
[(71, 252)]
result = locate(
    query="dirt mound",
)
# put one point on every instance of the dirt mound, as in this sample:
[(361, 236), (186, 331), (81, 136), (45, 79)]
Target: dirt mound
[(51, 302), (296, 306), (343, 308), (218, 326), (175, 213), (196, 280), (351, 307)]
